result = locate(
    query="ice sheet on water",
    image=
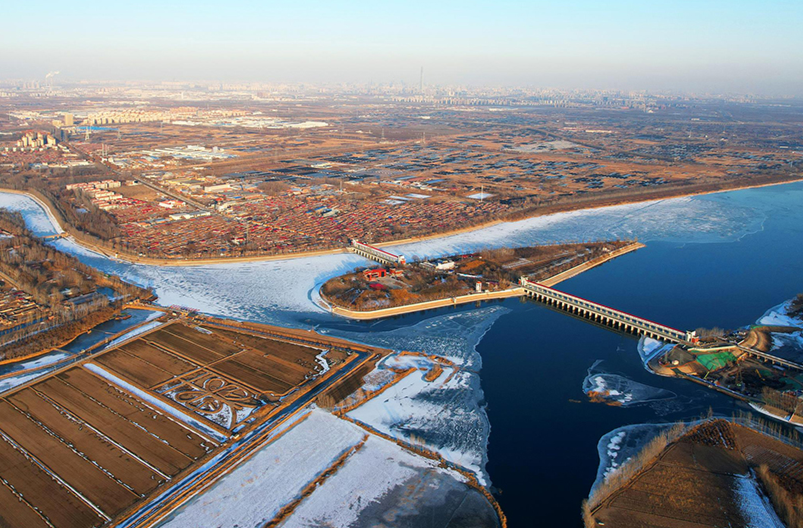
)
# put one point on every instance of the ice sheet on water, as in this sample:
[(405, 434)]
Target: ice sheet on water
[(15, 381), (615, 389), (621, 444), (36, 217), (257, 291), (453, 336), (442, 414), (449, 418), (690, 219), (261, 290), (785, 345)]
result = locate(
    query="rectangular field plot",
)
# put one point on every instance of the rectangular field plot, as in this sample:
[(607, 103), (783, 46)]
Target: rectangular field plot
[(302, 356), (76, 451), (221, 376), (144, 365), (57, 504), (193, 344)]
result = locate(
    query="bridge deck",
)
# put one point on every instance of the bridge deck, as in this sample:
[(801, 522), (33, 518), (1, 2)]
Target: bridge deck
[(639, 324)]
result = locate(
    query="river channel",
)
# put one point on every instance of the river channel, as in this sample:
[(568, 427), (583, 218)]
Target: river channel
[(716, 260)]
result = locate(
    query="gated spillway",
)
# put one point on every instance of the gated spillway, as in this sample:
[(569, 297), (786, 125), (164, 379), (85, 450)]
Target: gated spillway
[(604, 314)]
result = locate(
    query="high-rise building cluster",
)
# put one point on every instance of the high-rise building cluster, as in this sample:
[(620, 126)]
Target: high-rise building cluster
[(34, 140)]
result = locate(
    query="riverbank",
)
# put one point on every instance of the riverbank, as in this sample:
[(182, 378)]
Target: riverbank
[(591, 204), (428, 305), (724, 490)]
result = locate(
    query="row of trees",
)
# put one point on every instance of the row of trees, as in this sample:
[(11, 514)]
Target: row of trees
[(52, 279)]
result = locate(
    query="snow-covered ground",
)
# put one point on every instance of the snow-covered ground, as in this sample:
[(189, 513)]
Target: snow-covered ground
[(648, 348), (755, 506), (445, 417), (254, 492), (135, 332), (621, 444), (788, 345), (779, 316), (371, 473)]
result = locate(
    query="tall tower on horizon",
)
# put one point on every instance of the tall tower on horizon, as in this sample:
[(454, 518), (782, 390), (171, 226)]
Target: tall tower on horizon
[(421, 81)]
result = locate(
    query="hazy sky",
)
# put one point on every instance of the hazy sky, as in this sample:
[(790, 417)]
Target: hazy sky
[(733, 45)]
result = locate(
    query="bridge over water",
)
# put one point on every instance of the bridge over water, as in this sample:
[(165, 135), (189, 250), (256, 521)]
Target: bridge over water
[(604, 314), (374, 253)]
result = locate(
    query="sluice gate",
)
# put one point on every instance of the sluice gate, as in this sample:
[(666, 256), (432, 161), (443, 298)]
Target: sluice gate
[(604, 314)]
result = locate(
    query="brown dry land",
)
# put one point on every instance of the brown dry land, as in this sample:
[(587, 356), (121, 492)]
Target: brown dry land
[(496, 270), (691, 483), (77, 450), (79, 439)]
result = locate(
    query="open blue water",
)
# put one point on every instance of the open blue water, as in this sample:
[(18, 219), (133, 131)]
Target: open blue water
[(717, 260)]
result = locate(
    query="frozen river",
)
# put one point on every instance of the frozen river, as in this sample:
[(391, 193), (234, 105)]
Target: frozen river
[(715, 260)]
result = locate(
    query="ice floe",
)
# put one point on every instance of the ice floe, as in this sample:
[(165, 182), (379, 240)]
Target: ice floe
[(615, 389)]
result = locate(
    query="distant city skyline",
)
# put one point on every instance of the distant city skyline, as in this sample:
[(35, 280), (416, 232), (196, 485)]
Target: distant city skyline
[(707, 46)]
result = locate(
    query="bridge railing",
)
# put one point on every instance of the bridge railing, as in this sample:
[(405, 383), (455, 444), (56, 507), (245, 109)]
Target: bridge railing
[(606, 311), (378, 253)]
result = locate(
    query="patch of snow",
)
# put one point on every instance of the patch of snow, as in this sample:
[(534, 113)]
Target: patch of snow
[(755, 506), (365, 478), (649, 348), (135, 332), (15, 381), (42, 361), (615, 388), (406, 409), (322, 362), (779, 316), (620, 445), (254, 492)]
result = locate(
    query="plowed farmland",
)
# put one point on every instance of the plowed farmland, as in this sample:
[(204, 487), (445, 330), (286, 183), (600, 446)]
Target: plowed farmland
[(77, 451)]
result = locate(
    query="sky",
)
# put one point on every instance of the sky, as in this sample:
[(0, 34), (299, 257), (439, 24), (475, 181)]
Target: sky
[(738, 46)]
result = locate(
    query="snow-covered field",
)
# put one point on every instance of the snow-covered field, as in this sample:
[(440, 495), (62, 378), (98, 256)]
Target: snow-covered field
[(371, 473), (755, 506), (254, 492)]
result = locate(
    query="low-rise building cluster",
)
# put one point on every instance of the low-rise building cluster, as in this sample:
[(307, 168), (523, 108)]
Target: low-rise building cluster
[(101, 195)]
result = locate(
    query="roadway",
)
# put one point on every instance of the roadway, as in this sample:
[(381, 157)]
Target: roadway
[(204, 476)]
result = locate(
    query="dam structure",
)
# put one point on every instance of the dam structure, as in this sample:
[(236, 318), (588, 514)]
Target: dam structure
[(604, 314), (379, 255)]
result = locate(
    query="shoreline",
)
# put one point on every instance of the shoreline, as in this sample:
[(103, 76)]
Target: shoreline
[(549, 210)]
